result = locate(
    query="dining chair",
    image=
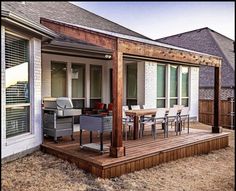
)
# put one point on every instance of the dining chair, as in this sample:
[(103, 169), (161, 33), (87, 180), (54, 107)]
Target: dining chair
[(160, 118), (126, 121), (135, 107), (172, 117), (179, 107), (184, 115)]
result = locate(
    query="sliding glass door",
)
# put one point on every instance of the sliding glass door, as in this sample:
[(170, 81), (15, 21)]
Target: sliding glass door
[(95, 84), (78, 85), (131, 84), (58, 79)]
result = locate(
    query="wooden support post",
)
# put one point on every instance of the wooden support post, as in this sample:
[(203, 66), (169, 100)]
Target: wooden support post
[(117, 148), (217, 87)]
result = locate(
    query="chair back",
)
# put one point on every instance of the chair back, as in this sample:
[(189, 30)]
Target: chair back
[(173, 112), (124, 108), (135, 107), (148, 107), (179, 107), (160, 113), (110, 106), (184, 111)]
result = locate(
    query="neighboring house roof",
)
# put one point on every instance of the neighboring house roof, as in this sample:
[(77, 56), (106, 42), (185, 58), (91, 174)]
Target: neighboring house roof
[(67, 12), (210, 42)]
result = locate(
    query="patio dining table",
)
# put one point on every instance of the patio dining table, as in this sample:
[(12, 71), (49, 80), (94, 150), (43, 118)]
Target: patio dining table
[(137, 113)]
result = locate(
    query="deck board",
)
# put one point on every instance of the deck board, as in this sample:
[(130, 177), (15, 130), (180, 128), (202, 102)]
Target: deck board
[(140, 154)]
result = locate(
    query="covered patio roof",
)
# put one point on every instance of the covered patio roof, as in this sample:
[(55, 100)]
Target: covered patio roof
[(130, 45), (123, 46)]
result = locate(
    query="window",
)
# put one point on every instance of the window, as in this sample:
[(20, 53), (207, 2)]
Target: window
[(131, 84), (17, 85), (173, 85), (95, 84), (185, 79), (161, 80), (78, 85), (58, 79)]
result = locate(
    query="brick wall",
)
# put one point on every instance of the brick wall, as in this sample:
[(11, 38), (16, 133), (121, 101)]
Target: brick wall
[(208, 93), (150, 84)]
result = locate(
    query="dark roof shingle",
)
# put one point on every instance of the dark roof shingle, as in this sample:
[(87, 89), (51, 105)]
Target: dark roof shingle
[(66, 12), (208, 41)]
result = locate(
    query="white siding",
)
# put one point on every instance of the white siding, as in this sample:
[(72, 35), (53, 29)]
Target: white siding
[(31, 140)]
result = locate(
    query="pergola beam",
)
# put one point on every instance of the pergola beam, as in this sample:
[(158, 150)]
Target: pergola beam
[(152, 51)]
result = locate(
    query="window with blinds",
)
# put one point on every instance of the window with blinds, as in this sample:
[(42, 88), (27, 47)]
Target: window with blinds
[(17, 85)]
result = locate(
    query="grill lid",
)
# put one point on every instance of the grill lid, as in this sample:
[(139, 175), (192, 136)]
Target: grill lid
[(64, 103)]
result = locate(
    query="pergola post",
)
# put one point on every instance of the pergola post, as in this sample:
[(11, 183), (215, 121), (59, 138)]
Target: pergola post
[(217, 87), (117, 148)]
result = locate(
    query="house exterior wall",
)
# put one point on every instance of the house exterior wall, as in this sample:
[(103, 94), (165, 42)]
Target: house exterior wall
[(13, 146), (208, 93)]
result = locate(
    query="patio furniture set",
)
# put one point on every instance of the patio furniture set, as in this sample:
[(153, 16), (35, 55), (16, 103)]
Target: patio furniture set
[(59, 120), (138, 118)]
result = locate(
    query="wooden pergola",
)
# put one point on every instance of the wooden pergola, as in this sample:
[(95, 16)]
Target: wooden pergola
[(121, 48)]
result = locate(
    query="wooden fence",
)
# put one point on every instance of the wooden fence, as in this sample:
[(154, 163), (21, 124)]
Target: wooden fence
[(206, 112)]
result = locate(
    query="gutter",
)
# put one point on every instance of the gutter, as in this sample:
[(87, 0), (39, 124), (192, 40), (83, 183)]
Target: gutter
[(25, 23)]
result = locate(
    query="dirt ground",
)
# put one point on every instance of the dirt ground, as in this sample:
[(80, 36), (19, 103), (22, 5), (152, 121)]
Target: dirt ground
[(40, 171)]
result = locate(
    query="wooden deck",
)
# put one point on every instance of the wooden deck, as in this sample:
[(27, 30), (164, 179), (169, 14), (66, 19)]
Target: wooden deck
[(140, 154)]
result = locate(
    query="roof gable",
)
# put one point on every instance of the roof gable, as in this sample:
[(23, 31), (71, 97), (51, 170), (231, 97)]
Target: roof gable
[(210, 42), (67, 12)]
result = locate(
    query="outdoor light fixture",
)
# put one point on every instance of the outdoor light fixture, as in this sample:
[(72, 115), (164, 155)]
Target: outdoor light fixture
[(107, 56)]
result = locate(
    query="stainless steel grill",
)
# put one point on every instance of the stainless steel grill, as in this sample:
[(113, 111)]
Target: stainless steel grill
[(58, 117)]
